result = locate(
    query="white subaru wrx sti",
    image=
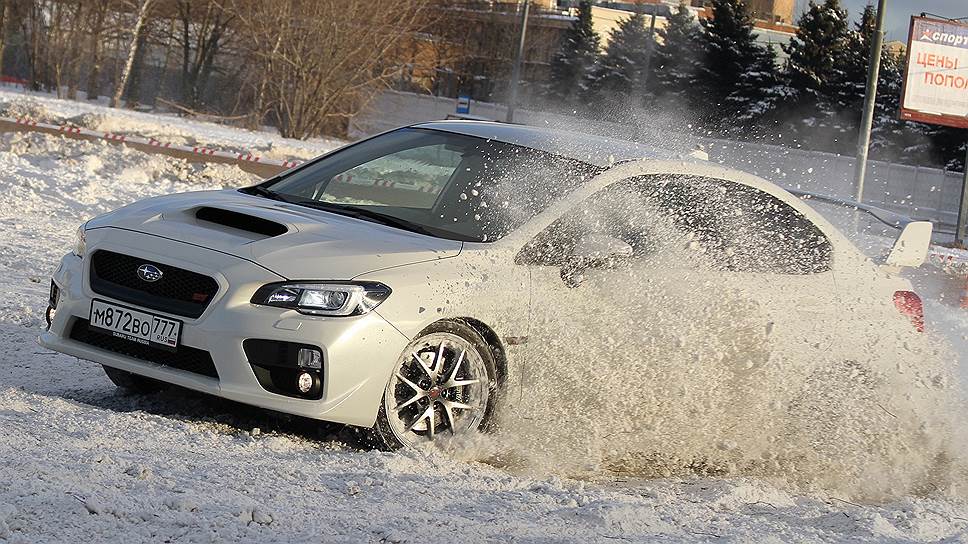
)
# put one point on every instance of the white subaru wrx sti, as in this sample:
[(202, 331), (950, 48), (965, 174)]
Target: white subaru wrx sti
[(391, 284)]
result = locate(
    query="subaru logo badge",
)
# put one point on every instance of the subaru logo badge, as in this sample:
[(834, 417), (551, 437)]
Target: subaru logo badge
[(149, 273)]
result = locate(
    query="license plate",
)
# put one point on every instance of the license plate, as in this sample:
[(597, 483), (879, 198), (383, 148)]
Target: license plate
[(135, 325)]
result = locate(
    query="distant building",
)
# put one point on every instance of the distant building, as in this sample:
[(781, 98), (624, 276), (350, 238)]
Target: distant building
[(895, 48), (770, 18), (549, 5), (774, 11), (605, 20)]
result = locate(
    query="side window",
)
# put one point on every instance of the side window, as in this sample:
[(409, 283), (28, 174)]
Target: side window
[(417, 174), (740, 228), (777, 237), (691, 222)]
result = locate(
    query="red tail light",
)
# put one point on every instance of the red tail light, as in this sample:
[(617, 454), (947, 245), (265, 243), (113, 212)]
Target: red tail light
[(909, 304)]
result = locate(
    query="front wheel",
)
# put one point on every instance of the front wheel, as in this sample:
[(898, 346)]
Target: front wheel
[(443, 384)]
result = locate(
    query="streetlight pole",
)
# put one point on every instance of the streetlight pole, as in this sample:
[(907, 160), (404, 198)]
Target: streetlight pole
[(516, 71), (648, 51), (961, 232), (873, 72)]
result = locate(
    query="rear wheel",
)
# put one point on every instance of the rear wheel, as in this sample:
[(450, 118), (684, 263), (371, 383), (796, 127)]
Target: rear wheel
[(133, 382), (444, 384)]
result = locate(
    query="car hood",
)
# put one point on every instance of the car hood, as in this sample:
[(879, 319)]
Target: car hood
[(293, 241)]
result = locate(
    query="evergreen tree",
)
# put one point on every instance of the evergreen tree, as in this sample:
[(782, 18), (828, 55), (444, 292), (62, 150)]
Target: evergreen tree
[(816, 51), (816, 69), (888, 130), (948, 146), (733, 64), (675, 63), (849, 90), (619, 76), (575, 57), (759, 90)]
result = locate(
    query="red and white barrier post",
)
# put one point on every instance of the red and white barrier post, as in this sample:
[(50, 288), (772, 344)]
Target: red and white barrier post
[(151, 145), (964, 295)]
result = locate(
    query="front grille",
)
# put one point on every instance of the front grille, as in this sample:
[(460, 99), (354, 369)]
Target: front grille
[(178, 291), (185, 358)]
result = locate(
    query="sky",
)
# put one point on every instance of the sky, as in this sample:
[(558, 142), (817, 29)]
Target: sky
[(899, 12)]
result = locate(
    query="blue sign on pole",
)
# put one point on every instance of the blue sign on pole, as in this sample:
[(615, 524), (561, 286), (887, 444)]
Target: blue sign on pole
[(463, 105)]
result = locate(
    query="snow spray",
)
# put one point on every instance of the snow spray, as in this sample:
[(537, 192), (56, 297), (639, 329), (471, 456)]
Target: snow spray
[(681, 363)]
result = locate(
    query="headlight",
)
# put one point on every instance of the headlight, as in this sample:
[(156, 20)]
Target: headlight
[(80, 242), (322, 298)]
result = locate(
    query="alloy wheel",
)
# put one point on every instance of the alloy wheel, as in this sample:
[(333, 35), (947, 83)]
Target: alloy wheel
[(440, 387)]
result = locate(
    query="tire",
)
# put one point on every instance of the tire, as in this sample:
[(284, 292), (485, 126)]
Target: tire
[(132, 382), (424, 400)]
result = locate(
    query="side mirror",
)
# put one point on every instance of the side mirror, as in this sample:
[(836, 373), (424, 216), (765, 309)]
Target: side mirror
[(593, 251)]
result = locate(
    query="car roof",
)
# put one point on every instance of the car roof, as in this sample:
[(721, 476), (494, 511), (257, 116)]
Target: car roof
[(589, 148)]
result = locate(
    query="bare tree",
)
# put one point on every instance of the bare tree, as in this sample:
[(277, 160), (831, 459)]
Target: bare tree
[(97, 28), (203, 28), (33, 28), (132, 92), (142, 9), (67, 63), (306, 66), (6, 14), (316, 62)]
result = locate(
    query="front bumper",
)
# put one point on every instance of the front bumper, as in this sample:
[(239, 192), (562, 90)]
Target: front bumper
[(358, 352)]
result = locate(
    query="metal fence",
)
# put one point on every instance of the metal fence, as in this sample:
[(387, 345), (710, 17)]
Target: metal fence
[(916, 191)]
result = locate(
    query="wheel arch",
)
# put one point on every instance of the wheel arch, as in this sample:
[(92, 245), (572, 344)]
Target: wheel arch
[(493, 341)]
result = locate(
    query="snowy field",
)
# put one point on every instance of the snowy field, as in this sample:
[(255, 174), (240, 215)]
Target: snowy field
[(80, 461)]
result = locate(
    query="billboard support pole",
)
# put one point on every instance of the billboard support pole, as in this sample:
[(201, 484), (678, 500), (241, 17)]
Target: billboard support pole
[(873, 71), (961, 233)]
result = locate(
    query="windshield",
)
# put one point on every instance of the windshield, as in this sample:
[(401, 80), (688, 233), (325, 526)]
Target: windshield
[(446, 185)]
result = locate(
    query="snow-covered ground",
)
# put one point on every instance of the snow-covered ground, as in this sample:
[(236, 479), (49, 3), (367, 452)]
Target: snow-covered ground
[(81, 461)]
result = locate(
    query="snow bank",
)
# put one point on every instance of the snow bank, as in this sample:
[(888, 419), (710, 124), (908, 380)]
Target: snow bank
[(166, 128)]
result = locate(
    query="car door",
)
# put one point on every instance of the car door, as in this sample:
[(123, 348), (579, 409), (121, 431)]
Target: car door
[(670, 251)]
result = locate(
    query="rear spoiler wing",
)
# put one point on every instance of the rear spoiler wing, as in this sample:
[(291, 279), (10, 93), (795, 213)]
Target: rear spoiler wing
[(911, 246)]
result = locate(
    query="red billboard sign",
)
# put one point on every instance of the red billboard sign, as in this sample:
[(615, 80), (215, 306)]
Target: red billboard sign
[(936, 78)]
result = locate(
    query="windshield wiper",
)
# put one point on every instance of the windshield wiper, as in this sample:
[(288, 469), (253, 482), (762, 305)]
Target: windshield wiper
[(368, 215), (262, 191)]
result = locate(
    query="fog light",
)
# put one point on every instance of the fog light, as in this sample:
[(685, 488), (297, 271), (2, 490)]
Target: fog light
[(54, 296), (305, 382), (309, 358)]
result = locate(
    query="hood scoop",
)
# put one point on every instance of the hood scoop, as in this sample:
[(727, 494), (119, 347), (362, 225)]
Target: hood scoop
[(240, 221)]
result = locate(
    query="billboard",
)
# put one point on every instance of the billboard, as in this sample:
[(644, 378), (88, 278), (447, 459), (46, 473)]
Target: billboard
[(936, 79)]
